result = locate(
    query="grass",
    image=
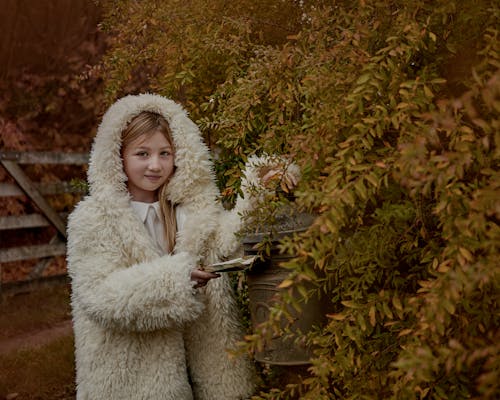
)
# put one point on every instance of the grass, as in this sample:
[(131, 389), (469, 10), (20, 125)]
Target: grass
[(41, 373)]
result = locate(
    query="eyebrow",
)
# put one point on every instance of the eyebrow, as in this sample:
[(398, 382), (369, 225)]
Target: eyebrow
[(149, 148)]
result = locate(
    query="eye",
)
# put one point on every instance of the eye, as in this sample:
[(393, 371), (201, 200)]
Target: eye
[(166, 153), (142, 153)]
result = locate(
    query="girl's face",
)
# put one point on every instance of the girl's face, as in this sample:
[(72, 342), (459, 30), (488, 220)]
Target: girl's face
[(148, 162)]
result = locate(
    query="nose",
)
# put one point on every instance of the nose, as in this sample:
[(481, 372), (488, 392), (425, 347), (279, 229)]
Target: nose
[(154, 163)]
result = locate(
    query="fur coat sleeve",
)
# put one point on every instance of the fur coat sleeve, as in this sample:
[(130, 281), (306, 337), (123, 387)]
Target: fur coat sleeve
[(142, 296)]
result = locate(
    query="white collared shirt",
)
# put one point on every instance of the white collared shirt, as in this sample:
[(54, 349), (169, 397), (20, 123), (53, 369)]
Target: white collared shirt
[(154, 224), (150, 213)]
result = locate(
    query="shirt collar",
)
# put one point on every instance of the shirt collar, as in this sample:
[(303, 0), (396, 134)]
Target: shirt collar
[(142, 208)]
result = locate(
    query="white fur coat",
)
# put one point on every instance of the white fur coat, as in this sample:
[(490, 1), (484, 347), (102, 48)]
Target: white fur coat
[(141, 330)]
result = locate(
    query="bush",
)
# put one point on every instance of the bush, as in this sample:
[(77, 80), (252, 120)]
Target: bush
[(391, 111)]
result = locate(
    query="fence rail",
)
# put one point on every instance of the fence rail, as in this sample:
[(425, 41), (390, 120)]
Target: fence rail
[(26, 221), (44, 157), (48, 216)]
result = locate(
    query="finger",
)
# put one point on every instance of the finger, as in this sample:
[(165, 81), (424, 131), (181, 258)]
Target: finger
[(270, 175), (200, 284), (208, 275), (290, 179)]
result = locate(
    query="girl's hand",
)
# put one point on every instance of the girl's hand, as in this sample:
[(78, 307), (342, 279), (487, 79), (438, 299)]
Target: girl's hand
[(202, 277), (281, 175)]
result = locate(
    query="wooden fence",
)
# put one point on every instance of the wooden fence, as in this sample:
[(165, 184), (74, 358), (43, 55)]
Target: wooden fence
[(35, 191)]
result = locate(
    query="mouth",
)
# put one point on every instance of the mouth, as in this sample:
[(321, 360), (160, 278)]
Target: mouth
[(153, 177)]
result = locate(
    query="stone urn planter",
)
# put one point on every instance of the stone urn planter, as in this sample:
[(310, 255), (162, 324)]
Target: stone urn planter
[(263, 280)]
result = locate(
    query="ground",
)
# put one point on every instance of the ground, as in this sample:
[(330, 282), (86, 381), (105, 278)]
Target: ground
[(36, 345)]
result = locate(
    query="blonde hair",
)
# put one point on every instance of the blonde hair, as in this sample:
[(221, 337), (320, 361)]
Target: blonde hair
[(148, 123)]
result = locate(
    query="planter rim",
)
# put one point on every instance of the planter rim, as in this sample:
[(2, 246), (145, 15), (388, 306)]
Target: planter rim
[(252, 238)]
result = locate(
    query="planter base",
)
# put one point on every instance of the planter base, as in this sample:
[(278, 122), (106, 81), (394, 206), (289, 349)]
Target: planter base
[(262, 289)]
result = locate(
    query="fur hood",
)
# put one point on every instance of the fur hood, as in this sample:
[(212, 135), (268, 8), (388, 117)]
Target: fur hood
[(193, 184), (193, 176)]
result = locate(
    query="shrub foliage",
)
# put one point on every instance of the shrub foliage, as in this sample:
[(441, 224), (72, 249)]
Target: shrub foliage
[(391, 109)]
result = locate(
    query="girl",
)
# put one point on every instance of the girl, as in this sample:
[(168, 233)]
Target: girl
[(148, 322)]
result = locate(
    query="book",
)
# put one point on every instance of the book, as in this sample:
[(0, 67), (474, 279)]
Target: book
[(236, 264)]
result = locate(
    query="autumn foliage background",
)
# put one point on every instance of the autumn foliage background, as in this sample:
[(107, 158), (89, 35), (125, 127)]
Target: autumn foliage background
[(391, 110), (48, 102)]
